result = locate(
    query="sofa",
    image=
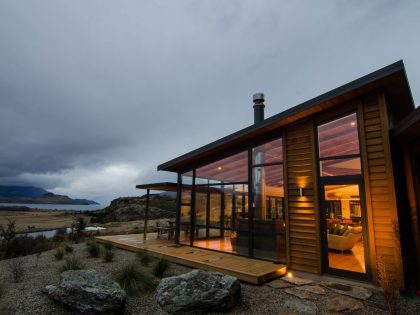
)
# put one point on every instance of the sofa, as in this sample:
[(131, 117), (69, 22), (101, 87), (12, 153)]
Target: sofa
[(346, 241)]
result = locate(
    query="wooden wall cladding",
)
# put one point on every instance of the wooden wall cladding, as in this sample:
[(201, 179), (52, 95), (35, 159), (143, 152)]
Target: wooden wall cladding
[(379, 183), (303, 249)]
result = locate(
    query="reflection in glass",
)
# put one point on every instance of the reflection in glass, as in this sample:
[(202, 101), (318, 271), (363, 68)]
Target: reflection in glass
[(200, 208), (231, 169), (185, 225), (271, 152), (268, 221), (344, 228), (341, 167), (339, 137)]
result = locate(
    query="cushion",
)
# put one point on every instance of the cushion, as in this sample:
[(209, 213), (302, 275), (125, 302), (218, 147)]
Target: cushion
[(347, 232), (337, 229), (344, 229)]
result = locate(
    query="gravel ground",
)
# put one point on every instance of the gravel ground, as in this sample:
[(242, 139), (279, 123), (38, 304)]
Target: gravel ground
[(26, 297)]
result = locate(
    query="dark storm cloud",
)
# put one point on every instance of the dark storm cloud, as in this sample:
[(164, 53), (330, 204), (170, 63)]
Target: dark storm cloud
[(95, 94)]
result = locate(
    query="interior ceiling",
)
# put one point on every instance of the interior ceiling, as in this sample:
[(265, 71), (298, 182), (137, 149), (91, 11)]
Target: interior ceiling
[(339, 192)]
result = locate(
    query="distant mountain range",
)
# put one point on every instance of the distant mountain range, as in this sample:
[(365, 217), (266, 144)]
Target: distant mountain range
[(36, 195)]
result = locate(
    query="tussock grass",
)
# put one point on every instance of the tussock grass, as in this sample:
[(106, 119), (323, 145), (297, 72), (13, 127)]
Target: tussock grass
[(108, 255), (72, 263), (17, 269), (144, 257), (68, 249), (108, 246), (93, 249), (134, 280), (160, 267), (58, 253)]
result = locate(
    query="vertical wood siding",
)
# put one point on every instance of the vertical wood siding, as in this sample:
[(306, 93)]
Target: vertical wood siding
[(302, 219), (379, 182)]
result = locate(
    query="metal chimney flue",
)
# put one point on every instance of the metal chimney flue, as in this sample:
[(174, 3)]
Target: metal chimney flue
[(258, 99)]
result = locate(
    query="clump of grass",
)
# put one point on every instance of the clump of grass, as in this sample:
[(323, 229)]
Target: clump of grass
[(68, 249), (108, 246), (17, 269), (134, 280), (72, 263), (144, 257), (58, 253), (108, 255), (160, 267), (93, 249)]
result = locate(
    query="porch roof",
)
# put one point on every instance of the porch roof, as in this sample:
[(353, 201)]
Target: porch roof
[(163, 186), (392, 79)]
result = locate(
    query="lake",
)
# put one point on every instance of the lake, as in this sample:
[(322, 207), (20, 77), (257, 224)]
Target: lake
[(56, 207)]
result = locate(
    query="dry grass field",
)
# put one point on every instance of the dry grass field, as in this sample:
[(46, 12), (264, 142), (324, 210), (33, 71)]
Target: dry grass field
[(41, 220)]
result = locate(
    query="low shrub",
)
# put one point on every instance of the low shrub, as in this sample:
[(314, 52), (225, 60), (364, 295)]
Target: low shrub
[(108, 255), (9, 232), (60, 235), (68, 249), (144, 257), (72, 263), (134, 280), (160, 267), (24, 245), (58, 253), (93, 249), (16, 268)]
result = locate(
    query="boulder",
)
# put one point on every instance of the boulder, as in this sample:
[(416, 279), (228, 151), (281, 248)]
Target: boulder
[(198, 292), (88, 292)]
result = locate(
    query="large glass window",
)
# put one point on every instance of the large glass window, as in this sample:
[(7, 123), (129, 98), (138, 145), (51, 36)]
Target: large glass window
[(268, 194), (339, 149), (221, 204)]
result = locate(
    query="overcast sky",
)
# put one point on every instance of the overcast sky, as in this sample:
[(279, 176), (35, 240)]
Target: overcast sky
[(95, 94)]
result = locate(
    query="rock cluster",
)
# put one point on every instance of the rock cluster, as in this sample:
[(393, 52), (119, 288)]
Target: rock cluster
[(198, 292), (88, 292)]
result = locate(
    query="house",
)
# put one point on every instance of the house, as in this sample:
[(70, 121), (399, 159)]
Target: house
[(330, 186)]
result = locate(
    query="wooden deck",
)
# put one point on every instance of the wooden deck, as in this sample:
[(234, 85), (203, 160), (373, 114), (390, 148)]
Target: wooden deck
[(245, 269)]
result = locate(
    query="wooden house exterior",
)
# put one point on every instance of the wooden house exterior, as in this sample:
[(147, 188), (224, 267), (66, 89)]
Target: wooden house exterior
[(329, 186)]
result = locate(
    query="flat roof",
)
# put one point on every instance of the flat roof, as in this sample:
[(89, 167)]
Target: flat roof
[(164, 186), (392, 79)]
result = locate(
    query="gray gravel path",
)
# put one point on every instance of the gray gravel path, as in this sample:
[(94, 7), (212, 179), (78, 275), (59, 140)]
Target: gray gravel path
[(26, 297)]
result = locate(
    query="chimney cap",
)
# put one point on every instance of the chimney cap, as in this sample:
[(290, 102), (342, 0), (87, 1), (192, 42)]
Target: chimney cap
[(258, 97)]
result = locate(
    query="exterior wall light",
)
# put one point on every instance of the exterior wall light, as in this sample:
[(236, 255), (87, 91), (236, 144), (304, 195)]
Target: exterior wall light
[(301, 191)]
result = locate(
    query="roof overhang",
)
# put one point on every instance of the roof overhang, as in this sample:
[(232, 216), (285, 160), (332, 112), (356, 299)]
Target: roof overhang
[(408, 129), (392, 79), (164, 186)]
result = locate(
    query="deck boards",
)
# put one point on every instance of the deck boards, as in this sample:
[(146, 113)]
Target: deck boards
[(245, 269)]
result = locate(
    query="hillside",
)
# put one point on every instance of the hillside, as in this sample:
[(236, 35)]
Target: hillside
[(133, 208), (36, 195)]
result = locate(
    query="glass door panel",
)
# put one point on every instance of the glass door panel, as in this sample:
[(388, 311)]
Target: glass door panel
[(343, 228)]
